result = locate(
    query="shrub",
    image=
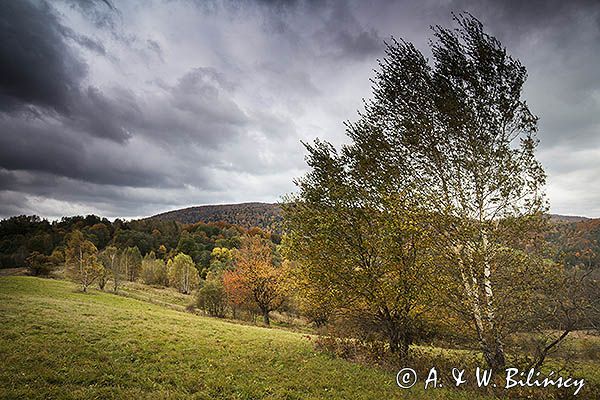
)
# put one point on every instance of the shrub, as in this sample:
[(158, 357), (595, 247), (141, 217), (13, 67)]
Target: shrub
[(212, 298), (154, 271)]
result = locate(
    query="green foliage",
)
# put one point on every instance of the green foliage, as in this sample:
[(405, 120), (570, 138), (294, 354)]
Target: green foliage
[(154, 271), (39, 264), (212, 297), (99, 234), (131, 263), (182, 273), (81, 260), (143, 241)]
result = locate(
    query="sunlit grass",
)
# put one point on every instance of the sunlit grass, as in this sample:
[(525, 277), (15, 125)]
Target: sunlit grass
[(56, 342)]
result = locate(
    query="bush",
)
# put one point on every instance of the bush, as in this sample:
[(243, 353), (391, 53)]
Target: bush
[(154, 271), (182, 273), (212, 298), (39, 264)]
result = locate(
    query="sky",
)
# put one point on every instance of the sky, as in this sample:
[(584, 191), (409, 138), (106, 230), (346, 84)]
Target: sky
[(128, 108)]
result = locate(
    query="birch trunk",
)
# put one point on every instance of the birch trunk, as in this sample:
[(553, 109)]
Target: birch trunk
[(498, 347)]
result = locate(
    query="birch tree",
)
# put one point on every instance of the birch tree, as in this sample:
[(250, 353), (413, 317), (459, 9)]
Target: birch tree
[(458, 132), (81, 260), (110, 259), (154, 270), (182, 273), (131, 263), (455, 137)]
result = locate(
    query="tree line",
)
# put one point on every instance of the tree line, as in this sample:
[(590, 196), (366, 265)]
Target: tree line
[(23, 236), (231, 270)]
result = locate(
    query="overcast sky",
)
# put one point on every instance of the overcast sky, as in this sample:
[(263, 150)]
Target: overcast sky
[(127, 108)]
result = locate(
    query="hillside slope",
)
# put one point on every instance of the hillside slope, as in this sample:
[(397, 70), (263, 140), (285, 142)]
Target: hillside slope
[(248, 215), (56, 342)]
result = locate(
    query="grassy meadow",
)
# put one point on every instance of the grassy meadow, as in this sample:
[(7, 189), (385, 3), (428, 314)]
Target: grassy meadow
[(59, 343)]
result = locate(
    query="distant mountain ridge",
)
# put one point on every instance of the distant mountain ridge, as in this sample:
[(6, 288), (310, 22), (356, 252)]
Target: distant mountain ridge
[(567, 219), (264, 215)]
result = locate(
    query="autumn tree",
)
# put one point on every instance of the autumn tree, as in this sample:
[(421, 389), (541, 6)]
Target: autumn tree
[(131, 263), (103, 276), (40, 264), (110, 260), (81, 260), (212, 297), (238, 294), (154, 271), (162, 251), (221, 258), (256, 278), (182, 273), (457, 134), (360, 251)]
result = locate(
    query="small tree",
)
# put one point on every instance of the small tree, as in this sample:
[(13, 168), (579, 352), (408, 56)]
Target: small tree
[(256, 277), (238, 295), (39, 264), (81, 260), (221, 258), (103, 277), (110, 260), (212, 297), (131, 263), (183, 274), (360, 254), (154, 271)]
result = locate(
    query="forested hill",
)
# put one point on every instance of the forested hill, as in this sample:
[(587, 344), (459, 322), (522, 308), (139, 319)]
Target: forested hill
[(576, 240), (264, 215), (567, 219)]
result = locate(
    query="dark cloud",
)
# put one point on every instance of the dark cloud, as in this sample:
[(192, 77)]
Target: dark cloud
[(347, 35), (31, 144), (361, 45), (101, 116), (203, 92), (131, 108), (40, 73), (36, 66)]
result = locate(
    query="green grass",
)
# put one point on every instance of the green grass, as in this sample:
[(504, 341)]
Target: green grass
[(169, 297), (59, 343), (164, 296)]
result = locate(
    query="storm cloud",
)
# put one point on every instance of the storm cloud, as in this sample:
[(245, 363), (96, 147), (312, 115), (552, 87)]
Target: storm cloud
[(129, 108)]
